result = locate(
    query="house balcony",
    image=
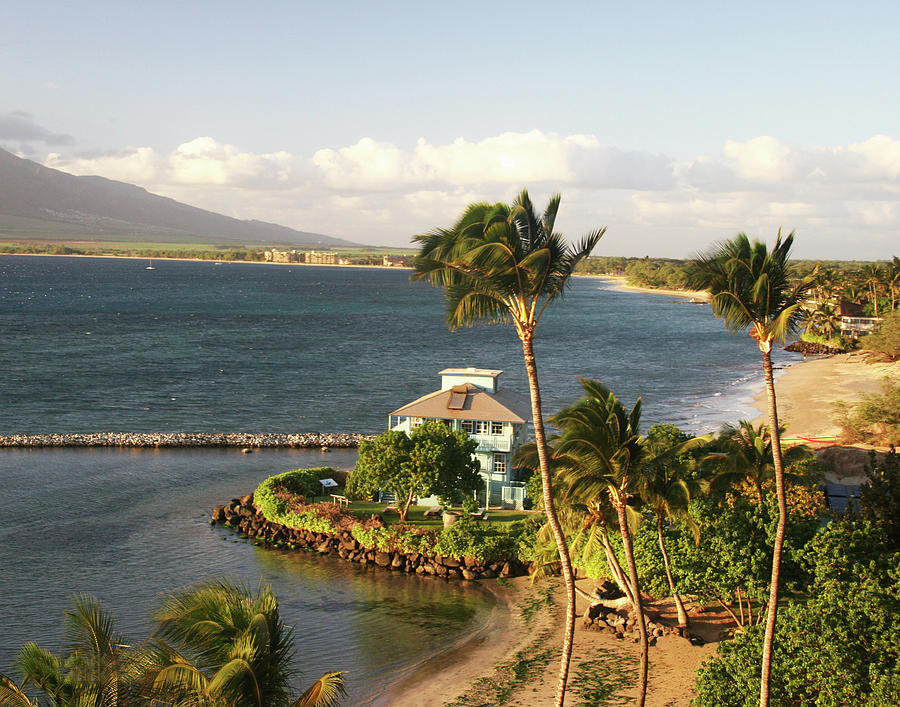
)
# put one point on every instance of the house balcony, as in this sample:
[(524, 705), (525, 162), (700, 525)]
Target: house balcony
[(492, 443)]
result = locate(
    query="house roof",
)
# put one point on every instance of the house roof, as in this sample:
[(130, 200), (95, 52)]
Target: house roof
[(469, 402), (470, 372)]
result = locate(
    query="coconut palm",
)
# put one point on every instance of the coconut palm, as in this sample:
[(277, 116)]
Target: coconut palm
[(219, 643), (892, 279), (603, 452), (97, 671), (747, 457), (750, 289), (872, 278), (503, 263), (584, 521), (667, 489)]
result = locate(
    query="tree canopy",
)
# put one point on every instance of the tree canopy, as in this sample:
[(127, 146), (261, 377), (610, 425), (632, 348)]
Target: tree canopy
[(433, 460)]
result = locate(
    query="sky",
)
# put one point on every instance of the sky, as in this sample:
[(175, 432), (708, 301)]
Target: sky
[(674, 125)]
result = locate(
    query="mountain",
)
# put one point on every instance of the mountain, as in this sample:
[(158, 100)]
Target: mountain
[(39, 202)]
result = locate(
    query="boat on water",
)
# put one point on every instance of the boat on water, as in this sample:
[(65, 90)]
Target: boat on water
[(150, 266)]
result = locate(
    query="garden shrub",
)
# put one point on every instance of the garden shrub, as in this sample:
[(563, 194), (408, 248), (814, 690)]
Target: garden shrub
[(839, 648), (279, 507)]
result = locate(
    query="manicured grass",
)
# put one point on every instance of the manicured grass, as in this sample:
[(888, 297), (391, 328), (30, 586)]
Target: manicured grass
[(362, 509)]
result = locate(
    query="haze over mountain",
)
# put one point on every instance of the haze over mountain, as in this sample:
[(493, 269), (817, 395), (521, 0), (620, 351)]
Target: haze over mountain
[(43, 203)]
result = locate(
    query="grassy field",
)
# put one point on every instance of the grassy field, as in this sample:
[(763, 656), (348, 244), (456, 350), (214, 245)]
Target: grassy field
[(362, 510)]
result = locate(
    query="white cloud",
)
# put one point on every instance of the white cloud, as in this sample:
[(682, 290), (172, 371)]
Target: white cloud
[(201, 161), (837, 197), (134, 165), (509, 158)]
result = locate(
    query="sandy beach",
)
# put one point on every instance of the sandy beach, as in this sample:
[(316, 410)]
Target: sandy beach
[(806, 391), (622, 285)]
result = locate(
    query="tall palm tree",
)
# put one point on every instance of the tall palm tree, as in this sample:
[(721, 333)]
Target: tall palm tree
[(503, 263), (219, 643), (750, 289), (603, 451), (585, 521), (667, 489), (97, 670)]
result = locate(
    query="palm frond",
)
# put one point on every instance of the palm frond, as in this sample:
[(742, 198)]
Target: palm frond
[(327, 691)]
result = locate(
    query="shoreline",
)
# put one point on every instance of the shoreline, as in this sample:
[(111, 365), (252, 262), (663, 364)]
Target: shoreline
[(806, 390), (440, 677), (623, 286), (207, 260)]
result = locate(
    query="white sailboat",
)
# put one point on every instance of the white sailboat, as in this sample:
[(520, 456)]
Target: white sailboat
[(150, 266)]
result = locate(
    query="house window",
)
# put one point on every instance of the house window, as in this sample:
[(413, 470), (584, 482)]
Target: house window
[(499, 463), (482, 427), (467, 426), (415, 422), (496, 428)]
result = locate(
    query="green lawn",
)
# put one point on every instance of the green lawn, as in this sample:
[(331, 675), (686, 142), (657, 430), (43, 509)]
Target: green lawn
[(362, 509)]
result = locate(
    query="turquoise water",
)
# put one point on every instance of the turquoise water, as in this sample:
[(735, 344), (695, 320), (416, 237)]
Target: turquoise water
[(106, 345)]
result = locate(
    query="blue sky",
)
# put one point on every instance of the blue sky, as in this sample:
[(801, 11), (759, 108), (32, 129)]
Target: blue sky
[(674, 124)]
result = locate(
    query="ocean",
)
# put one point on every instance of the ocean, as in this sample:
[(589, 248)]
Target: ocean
[(94, 344)]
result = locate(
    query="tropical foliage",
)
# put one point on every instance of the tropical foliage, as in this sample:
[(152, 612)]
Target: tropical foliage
[(752, 291), (838, 648), (600, 450), (433, 460), (215, 644), (504, 263)]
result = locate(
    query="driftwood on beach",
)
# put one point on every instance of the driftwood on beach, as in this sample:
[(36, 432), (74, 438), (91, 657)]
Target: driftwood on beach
[(188, 439)]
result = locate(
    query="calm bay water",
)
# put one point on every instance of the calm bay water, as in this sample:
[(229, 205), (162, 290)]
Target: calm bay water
[(106, 345)]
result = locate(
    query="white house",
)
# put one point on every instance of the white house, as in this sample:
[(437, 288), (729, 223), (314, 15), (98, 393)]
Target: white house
[(470, 399)]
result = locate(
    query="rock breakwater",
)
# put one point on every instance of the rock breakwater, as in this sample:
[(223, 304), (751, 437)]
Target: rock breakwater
[(242, 516), (187, 439)]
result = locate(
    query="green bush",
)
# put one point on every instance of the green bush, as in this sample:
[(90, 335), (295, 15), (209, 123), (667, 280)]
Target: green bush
[(488, 542), (398, 538), (839, 648), (886, 339), (277, 509)]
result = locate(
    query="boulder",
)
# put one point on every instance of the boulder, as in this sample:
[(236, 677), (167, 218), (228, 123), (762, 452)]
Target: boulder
[(382, 559)]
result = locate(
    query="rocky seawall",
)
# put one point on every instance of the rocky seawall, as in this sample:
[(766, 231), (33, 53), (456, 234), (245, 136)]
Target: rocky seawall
[(247, 440), (242, 515)]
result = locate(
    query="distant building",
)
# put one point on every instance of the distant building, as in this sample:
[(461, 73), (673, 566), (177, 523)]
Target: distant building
[(283, 256), (470, 399), (318, 257), (393, 261), (853, 322)]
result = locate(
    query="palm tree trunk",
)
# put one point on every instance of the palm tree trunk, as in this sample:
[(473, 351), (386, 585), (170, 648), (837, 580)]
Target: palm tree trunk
[(561, 544), (638, 605), (768, 640), (615, 568), (679, 605)]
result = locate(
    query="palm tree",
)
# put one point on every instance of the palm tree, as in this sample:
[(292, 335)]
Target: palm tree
[(502, 263), (667, 489), (96, 672), (872, 278), (892, 278), (751, 290), (603, 451), (218, 643), (748, 457), (585, 522)]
